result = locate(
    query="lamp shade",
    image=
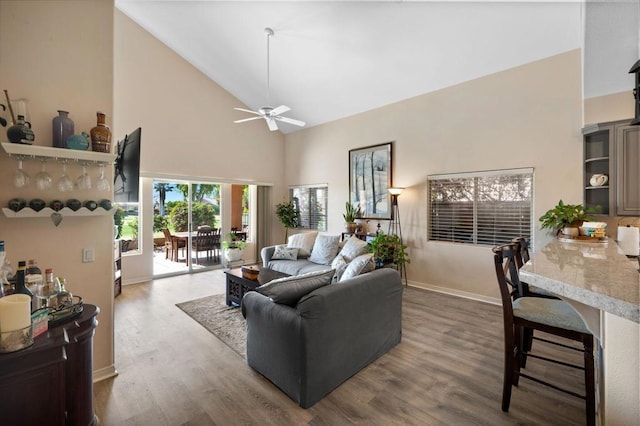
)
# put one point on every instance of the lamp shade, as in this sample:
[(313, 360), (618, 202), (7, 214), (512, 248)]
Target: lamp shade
[(395, 190)]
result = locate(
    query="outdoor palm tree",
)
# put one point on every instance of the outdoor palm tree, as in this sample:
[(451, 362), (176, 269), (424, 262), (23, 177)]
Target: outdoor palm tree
[(162, 189)]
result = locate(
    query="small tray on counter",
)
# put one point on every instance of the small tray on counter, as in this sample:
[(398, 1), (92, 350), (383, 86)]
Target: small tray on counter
[(582, 239)]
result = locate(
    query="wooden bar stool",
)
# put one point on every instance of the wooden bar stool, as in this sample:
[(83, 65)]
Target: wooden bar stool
[(522, 257), (551, 316)]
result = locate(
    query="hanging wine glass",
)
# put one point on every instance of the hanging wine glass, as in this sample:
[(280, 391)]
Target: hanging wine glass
[(44, 181), (102, 183), (20, 177), (84, 180), (65, 184)]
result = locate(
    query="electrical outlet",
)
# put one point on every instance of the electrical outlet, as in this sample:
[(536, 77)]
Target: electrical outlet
[(88, 255)]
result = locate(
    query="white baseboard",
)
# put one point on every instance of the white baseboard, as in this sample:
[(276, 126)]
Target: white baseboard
[(457, 293), (104, 373)]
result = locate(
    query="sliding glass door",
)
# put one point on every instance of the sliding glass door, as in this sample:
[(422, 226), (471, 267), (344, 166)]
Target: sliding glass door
[(191, 222)]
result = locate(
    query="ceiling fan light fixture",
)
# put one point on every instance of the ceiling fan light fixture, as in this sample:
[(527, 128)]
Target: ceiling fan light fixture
[(270, 114)]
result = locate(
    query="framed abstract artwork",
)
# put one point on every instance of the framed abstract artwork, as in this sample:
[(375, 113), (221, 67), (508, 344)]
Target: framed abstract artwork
[(369, 179)]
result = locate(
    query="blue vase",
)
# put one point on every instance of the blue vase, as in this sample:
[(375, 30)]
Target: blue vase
[(62, 127)]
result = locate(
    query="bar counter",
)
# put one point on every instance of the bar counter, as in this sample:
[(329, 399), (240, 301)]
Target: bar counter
[(600, 277), (596, 274)]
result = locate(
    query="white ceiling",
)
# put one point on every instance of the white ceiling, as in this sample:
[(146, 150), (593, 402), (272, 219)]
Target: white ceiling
[(334, 59)]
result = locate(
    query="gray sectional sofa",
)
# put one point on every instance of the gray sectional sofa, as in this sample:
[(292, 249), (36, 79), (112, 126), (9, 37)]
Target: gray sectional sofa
[(309, 349), (291, 267)]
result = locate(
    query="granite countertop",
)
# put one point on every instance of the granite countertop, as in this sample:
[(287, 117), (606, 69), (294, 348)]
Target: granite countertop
[(596, 274)]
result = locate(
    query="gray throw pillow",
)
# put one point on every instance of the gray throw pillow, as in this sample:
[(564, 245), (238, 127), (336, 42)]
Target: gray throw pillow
[(325, 249), (353, 248), (287, 291)]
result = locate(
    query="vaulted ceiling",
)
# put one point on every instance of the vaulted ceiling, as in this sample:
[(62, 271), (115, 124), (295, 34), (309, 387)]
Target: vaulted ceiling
[(334, 59)]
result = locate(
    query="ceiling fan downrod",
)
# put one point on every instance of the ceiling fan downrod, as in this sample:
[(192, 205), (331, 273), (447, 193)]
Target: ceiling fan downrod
[(269, 32)]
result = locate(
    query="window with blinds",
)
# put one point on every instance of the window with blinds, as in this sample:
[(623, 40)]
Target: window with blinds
[(481, 208), (311, 203)]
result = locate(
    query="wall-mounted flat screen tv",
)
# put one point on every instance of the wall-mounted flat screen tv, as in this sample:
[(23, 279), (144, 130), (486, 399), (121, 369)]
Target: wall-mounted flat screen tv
[(126, 179)]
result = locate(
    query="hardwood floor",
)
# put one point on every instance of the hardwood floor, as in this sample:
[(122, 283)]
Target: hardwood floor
[(446, 370)]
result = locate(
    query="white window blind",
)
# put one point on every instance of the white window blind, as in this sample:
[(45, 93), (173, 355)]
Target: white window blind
[(311, 203), (481, 208)]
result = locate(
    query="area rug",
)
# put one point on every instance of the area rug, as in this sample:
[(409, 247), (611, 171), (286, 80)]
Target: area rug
[(224, 322)]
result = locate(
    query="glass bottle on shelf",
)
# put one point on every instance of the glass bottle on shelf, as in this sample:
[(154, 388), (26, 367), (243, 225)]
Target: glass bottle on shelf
[(101, 135), (62, 127)]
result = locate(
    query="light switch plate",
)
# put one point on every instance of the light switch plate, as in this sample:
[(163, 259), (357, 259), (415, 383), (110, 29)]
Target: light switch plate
[(88, 255)]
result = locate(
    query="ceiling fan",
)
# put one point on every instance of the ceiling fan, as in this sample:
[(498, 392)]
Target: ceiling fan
[(271, 115)]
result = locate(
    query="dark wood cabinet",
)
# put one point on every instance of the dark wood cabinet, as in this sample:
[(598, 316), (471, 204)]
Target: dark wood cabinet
[(612, 149), (51, 382), (628, 170)]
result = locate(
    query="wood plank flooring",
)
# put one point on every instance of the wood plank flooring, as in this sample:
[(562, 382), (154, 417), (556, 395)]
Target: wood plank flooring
[(446, 371)]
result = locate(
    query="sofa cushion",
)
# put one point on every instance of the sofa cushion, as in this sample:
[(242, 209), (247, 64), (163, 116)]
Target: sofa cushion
[(359, 265), (296, 267), (325, 249), (304, 242), (285, 253), (353, 248), (289, 290)]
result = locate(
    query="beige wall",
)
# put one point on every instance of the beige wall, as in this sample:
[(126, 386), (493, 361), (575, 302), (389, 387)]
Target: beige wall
[(58, 55), (529, 116), (187, 127), (612, 107)]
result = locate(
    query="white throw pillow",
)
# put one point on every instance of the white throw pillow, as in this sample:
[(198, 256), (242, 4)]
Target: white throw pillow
[(285, 253), (359, 265), (353, 248), (325, 249), (304, 242), (338, 265)]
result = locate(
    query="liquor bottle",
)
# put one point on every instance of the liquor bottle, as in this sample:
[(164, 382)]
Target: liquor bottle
[(34, 280), (21, 287), (50, 288), (101, 135)]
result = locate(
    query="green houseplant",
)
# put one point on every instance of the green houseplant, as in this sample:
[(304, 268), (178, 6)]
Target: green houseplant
[(288, 216), (565, 218), (387, 248), (351, 213), (232, 248)]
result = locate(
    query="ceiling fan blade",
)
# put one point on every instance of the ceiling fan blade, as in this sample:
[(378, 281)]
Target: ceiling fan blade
[(248, 110), (280, 110), (291, 121), (247, 119), (272, 124)]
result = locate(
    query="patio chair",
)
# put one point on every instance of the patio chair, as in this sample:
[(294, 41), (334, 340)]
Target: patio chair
[(205, 240), (172, 244)]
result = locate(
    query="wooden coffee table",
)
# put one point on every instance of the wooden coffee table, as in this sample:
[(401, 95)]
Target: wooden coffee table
[(237, 285)]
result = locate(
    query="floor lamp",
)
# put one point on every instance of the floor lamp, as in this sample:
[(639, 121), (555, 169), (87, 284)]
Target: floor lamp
[(394, 225)]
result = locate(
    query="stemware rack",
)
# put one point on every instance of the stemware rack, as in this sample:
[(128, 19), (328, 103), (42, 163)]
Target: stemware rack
[(62, 155)]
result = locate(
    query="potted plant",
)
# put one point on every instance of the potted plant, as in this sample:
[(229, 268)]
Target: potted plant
[(564, 218), (288, 216), (387, 248), (232, 248), (351, 213)]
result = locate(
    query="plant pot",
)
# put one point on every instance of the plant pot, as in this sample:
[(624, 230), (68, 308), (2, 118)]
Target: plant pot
[(350, 227), (233, 254), (571, 231)]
